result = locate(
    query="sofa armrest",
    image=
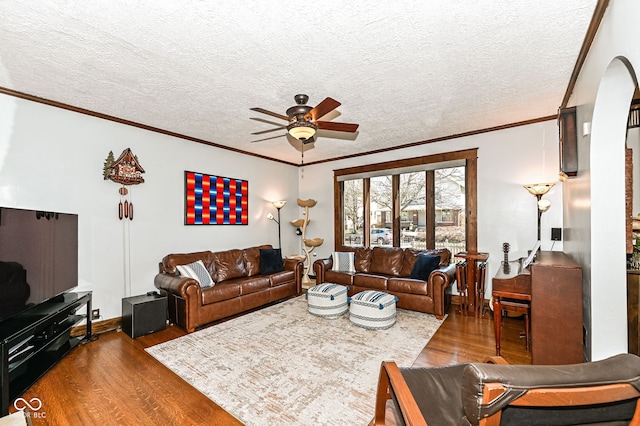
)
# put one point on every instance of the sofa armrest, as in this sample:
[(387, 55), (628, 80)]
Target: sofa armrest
[(439, 281), (297, 266), (321, 265), (175, 284), (290, 264)]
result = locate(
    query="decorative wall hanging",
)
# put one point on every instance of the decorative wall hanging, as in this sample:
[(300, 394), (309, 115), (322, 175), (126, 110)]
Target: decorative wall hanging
[(126, 170), (215, 200)]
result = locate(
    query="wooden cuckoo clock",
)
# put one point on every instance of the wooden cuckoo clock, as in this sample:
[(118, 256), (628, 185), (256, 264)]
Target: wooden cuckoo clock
[(126, 170)]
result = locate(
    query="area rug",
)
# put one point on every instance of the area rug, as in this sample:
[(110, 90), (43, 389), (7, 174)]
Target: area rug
[(283, 366)]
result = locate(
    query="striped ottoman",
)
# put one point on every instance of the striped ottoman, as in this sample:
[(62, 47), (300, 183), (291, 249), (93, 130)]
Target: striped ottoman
[(327, 300), (372, 309)]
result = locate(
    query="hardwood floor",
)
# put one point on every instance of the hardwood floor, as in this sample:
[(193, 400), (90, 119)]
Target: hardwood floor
[(113, 381)]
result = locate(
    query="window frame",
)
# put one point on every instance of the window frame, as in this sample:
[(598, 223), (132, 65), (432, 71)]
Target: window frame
[(470, 158)]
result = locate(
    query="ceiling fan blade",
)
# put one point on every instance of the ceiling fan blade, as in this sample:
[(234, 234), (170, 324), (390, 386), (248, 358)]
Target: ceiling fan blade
[(340, 127), (266, 139), (273, 114), (322, 109), (268, 131), (265, 120)]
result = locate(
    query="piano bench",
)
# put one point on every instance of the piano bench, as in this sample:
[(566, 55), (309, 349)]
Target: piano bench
[(522, 307)]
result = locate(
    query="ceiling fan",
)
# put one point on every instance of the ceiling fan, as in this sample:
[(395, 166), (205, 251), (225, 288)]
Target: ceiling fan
[(303, 119)]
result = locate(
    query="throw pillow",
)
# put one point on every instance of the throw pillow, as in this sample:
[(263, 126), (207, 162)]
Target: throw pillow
[(198, 272), (343, 261), (270, 261), (425, 264)]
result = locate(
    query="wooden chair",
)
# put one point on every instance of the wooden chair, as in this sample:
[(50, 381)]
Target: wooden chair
[(479, 302), (605, 392), (461, 286)]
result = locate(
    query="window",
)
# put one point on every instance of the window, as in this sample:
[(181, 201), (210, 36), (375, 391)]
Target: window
[(413, 208), (450, 208), (381, 211), (352, 212), (424, 202)]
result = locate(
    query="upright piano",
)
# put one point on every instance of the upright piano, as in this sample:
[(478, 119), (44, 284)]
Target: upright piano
[(553, 285)]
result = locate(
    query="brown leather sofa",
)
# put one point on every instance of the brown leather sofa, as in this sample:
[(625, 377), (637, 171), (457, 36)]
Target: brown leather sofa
[(389, 269), (238, 285)]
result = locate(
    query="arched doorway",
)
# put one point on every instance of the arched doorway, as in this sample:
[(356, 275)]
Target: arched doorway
[(607, 293)]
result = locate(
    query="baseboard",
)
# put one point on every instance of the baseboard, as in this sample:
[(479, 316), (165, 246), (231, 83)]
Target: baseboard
[(98, 327)]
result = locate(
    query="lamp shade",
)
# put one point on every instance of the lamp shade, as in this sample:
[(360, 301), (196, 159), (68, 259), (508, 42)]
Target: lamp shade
[(279, 204), (539, 188), (543, 205)]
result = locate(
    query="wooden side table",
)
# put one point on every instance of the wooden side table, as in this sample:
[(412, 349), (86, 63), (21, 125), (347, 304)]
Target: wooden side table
[(474, 301)]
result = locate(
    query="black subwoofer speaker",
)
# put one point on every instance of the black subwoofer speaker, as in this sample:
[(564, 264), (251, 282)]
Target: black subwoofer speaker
[(144, 314)]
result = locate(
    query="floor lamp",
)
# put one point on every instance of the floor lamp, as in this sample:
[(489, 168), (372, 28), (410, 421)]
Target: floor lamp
[(538, 190), (278, 205)]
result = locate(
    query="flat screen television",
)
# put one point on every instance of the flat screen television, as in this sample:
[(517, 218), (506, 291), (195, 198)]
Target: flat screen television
[(39, 248)]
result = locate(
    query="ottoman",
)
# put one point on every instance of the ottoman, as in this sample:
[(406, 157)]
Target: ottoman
[(374, 310), (327, 300)]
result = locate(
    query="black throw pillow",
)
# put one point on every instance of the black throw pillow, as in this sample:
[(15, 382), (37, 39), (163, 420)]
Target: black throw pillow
[(425, 264), (270, 261)]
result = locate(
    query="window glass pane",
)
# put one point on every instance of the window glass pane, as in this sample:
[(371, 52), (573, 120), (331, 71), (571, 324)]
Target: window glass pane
[(450, 209), (353, 210), (381, 221), (413, 209)]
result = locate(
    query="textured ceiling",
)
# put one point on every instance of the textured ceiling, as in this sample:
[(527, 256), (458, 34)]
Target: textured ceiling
[(406, 71)]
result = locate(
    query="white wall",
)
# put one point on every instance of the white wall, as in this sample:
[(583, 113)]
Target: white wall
[(593, 201), (507, 159), (52, 159)]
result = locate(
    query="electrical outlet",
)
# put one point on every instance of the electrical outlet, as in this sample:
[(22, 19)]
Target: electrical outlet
[(95, 314)]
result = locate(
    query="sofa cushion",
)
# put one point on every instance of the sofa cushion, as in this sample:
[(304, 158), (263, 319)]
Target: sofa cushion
[(386, 260), (229, 264), (270, 261), (424, 266), (253, 284), (343, 261), (337, 277), (408, 260), (252, 259), (197, 271), (362, 259), (445, 255), (376, 282), (221, 292), (408, 285), (170, 261)]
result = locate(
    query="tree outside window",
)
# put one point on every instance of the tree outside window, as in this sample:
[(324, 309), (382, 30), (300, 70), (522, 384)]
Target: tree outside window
[(450, 209), (353, 211)]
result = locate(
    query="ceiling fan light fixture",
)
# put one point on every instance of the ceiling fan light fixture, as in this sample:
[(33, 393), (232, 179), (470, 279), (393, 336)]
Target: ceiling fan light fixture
[(302, 129), (303, 119)]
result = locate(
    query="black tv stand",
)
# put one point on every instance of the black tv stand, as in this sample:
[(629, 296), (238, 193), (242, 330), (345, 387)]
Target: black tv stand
[(34, 340)]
